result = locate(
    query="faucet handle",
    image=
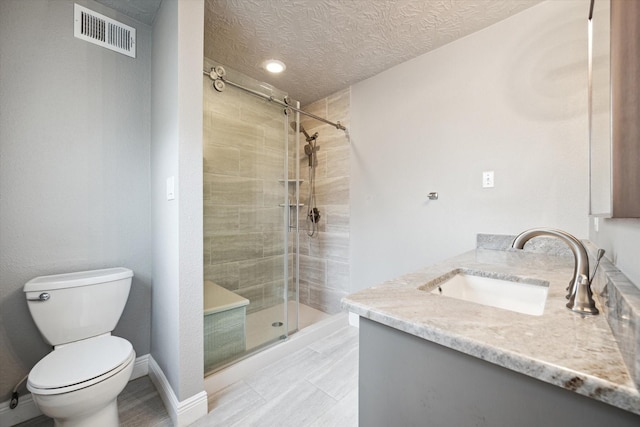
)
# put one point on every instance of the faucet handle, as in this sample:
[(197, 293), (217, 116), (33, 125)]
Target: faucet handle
[(581, 300), (599, 256)]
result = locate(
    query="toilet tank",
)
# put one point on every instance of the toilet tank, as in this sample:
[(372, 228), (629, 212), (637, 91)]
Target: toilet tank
[(74, 306)]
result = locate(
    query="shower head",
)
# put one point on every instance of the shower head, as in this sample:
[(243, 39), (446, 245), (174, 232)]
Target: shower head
[(293, 126)]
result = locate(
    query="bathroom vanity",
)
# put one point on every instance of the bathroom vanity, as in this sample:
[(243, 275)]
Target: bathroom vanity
[(431, 359)]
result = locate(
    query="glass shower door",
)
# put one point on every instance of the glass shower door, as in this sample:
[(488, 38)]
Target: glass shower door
[(247, 243)]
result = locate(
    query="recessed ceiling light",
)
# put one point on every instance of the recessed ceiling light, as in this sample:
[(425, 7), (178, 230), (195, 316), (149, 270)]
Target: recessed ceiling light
[(274, 66)]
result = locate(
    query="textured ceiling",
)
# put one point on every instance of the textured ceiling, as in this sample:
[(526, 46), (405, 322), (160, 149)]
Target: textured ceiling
[(329, 45), (140, 10)]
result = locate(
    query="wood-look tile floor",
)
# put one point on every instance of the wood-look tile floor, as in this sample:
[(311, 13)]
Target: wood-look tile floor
[(316, 386)]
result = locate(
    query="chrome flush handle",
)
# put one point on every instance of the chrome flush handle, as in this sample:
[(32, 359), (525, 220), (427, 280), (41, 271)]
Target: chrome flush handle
[(42, 297)]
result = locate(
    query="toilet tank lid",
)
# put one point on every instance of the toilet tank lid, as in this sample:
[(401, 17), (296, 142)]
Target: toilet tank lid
[(80, 278)]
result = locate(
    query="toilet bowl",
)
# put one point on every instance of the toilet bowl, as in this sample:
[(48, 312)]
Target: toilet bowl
[(77, 384), (79, 391)]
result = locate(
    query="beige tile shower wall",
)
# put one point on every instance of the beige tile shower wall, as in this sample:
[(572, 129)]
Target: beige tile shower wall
[(243, 222), (324, 258)]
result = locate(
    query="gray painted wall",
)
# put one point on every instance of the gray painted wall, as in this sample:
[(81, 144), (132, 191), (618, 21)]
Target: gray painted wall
[(511, 99), (74, 168), (164, 155), (190, 66), (176, 151)]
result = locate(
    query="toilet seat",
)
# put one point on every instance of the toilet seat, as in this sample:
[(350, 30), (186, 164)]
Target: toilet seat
[(80, 364)]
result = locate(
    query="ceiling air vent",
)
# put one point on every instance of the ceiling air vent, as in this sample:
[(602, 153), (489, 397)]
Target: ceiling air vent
[(106, 32)]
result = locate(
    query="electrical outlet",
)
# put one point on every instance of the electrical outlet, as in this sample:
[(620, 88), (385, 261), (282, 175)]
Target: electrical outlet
[(487, 179)]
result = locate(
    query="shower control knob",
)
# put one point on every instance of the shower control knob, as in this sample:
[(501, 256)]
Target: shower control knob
[(433, 195)]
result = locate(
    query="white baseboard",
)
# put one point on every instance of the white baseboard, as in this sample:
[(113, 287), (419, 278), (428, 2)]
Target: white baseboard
[(28, 409), (140, 367), (25, 410), (182, 413)]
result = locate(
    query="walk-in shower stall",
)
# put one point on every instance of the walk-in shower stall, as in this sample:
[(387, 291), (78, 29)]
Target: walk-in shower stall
[(253, 215)]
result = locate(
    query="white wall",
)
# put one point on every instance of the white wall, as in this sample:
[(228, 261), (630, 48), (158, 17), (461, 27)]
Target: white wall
[(620, 238), (176, 151), (511, 99), (74, 168)]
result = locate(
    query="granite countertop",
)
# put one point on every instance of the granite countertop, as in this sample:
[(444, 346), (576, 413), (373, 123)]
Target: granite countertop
[(560, 347)]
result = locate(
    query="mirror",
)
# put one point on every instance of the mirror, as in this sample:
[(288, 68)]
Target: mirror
[(614, 108)]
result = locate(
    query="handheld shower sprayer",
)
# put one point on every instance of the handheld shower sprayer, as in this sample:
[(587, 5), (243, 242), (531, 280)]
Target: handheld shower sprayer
[(310, 149)]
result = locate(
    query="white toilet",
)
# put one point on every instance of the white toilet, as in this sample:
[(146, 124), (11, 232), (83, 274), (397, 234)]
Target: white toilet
[(78, 382)]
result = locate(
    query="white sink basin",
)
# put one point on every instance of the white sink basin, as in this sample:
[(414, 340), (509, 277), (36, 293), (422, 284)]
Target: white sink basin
[(523, 295)]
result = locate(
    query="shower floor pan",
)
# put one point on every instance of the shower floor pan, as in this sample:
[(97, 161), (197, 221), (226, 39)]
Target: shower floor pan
[(260, 323)]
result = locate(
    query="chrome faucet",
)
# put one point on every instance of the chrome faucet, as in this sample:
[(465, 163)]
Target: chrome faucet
[(580, 294)]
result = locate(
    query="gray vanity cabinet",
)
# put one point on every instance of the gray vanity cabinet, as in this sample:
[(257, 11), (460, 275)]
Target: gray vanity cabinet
[(408, 381)]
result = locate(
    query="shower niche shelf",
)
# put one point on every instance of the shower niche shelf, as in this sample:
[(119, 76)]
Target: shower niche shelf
[(291, 181)]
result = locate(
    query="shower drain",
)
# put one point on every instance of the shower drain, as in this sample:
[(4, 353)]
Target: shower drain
[(277, 324)]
